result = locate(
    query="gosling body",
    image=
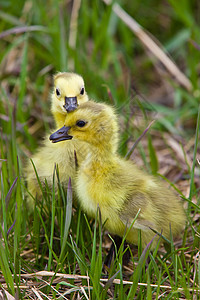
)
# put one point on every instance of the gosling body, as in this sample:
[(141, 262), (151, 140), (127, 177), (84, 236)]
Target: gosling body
[(118, 186), (68, 93)]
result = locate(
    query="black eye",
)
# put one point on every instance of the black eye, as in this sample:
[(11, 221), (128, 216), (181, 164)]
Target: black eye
[(80, 123), (82, 91), (58, 93)]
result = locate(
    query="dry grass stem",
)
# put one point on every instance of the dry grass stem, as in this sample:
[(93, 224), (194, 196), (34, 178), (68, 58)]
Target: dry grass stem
[(152, 46)]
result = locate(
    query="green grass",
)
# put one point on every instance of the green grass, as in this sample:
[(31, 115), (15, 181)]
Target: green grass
[(58, 237)]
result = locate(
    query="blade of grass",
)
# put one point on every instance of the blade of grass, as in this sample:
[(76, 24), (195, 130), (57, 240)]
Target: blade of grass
[(52, 221), (23, 76), (22, 29), (6, 269), (63, 48), (79, 257), (153, 156), (149, 289), (46, 236), (96, 262), (68, 216), (194, 158), (127, 156), (137, 273)]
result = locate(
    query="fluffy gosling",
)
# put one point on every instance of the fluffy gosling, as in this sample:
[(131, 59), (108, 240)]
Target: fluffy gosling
[(68, 93), (116, 185)]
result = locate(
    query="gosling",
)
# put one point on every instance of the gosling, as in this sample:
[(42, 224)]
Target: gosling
[(68, 93), (119, 188)]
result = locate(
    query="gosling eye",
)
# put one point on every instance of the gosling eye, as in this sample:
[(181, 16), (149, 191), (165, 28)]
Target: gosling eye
[(58, 92), (82, 91), (80, 123)]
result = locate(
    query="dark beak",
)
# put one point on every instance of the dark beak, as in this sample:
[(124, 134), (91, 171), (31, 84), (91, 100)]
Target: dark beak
[(70, 103), (60, 135)]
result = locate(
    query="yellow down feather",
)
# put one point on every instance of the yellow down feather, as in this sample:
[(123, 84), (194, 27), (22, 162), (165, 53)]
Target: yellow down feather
[(62, 154), (118, 186)]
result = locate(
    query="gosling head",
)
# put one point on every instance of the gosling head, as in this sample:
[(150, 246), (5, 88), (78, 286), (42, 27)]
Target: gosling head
[(69, 92), (93, 123)]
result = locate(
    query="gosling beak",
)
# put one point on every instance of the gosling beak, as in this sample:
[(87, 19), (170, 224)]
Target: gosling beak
[(70, 103), (60, 135)]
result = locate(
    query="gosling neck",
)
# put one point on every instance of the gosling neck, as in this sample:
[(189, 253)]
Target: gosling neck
[(101, 155), (103, 149), (105, 145)]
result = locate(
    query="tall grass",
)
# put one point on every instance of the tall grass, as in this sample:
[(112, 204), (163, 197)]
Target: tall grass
[(59, 238)]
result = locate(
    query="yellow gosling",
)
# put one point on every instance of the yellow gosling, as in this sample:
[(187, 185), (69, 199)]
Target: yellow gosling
[(116, 185), (68, 93)]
